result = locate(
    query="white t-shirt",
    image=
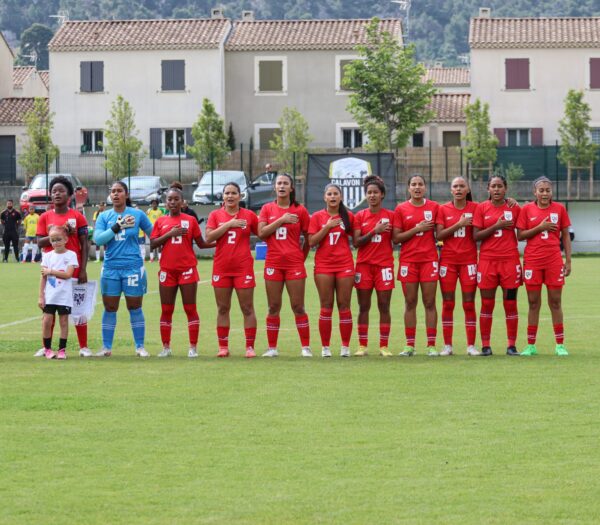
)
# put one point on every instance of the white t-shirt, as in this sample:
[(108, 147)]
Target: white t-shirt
[(59, 291)]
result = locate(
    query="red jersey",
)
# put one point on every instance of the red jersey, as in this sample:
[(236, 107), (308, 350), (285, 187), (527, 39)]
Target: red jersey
[(283, 246), (460, 248), (333, 252), (76, 221), (420, 247), (178, 252), (232, 255), (544, 248), (502, 244), (379, 250)]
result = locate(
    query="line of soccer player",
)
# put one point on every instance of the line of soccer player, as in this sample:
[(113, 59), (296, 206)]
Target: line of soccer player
[(290, 232)]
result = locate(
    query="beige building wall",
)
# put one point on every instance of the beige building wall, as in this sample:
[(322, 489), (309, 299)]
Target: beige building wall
[(552, 72), (6, 68), (32, 87)]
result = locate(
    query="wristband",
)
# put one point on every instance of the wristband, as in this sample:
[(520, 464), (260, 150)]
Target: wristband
[(116, 227)]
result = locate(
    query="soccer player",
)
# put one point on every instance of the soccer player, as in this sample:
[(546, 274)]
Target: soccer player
[(10, 219), (30, 222), (281, 224), (374, 264), (176, 233), (101, 208), (123, 270), (233, 265), (154, 213), (542, 224), (458, 262), (330, 231), (414, 222), (499, 264), (61, 190)]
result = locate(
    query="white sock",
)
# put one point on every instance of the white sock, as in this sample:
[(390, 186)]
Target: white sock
[(143, 251), (151, 256), (25, 250), (97, 254), (34, 250)]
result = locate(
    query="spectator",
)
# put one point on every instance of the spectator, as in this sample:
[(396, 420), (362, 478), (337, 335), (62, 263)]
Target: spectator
[(10, 219)]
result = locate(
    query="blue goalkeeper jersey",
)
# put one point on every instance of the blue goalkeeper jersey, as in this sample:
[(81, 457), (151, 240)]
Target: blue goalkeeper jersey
[(123, 250)]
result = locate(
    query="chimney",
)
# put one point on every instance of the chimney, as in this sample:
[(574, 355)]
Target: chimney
[(485, 12), (216, 12), (248, 16)]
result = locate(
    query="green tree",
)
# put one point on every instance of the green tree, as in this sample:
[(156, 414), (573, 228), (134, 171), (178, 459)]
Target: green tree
[(38, 149), (34, 42), (388, 92), (481, 143), (122, 147), (291, 141), (210, 140), (231, 137)]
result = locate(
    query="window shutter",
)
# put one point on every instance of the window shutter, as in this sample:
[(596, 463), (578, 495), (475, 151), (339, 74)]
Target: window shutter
[(189, 141), (97, 70), (173, 75), (179, 74), (166, 75), (594, 73), (517, 73), (270, 75), (501, 134), (155, 143), (537, 136), (85, 77)]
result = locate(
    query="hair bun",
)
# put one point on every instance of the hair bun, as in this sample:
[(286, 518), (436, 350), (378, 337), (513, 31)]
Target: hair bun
[(177, 185)]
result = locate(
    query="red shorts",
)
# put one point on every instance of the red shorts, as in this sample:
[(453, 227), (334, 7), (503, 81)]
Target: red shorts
[(275, 274), (369, 276), (553, 276), (237, 282), (499, 272), (177, 277), (418, 272), (465, 273), (335, 272)]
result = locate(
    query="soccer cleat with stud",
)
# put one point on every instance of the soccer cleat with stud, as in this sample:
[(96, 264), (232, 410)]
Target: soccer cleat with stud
[(486, 351), (447, 350), (306, 351), (271, 352), (192, 353), (141, 352), (432, 352), (49, 354), (105, 352), (408, 351), (61, 354), (529, 350), (344, 351), (40, 353), (223, 352), (361, 352), (165, 352), (512, 350), (561, 350), (471, 350), (384, 352), (250, 353), (325, 352), (85, 352)]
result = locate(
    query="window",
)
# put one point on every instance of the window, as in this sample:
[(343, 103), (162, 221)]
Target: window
[(418, 140), (595, 135), (517, 73), (265, 136), (518, 137), (270, 75), (91, 77), (174, 143), (352, 138), (451, 139), (340, 64), (92, 141), (173, 75), (594, 73)]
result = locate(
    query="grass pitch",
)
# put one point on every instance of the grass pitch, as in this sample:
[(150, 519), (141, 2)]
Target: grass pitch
[(290, 440)]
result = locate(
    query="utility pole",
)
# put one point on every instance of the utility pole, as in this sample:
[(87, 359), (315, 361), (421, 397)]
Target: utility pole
[(404, 6)]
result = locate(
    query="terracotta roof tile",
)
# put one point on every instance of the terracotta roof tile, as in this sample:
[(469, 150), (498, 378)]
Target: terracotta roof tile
[(113, 35), (45, 76), (299, 35), (449, 107), (448, 76), (12, 110), (534, 32), (21, 74)]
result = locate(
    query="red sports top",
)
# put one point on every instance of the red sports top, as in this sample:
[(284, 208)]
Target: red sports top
[(333, 252), (379, 250), (544, 248), (420, 247), (283, 246), (78, 225), (232, 255), (502, 244), (177, 252), (460, 248)]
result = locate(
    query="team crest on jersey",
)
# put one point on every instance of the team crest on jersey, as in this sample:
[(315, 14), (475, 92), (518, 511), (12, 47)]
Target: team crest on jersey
[(528, 274), (508, 215), (554, 218), (403, 271), (443, 270), (478, 277), (357, 277), (162, 277), (428, 214), (270, 271), (342, 226), (72, 222), (185, 224)]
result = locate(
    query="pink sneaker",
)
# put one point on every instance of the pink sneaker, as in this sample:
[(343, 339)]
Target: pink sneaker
[(49, 354), (250, 353), (223, 352), (62, 354)]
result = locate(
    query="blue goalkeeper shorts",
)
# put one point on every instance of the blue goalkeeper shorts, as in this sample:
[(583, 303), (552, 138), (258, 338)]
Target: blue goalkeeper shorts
[(130, 282)]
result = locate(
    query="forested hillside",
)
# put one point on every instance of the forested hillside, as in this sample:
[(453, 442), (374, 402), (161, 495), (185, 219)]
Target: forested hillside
[(438, 28)]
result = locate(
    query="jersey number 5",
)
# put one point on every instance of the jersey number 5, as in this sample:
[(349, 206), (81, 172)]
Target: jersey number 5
[(281, 233)]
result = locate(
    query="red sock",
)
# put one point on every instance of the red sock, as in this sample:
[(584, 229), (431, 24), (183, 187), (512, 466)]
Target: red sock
[(250, 334), (303, 329), (447, 321), (531, 334), (345, 326), (559, 333), (363, 334), (166, 322), (431, 335), (410, 333), (273, 322), (193, 322), (325, 326), (512, 320), (470, 322), (485, 320), (223, 336), (82, 332), (384, 334)]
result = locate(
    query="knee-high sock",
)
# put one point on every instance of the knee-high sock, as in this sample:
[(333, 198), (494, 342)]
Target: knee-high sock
[(109, 323), (193, 322), (223, 337), (447, 321), (384, 334), (532, 333), (82, 334), (25, 250), (512, 320), (34, 250), (273, 322), (363, 334), (559, 333), (325, 326), (431, 336), (485, 320), (303, 329), (138, 326), (166, 323), (470, 322), (345, 326), (250, 334), (410, 332)]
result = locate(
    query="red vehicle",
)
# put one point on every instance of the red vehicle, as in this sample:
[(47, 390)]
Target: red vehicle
[(36, 193)]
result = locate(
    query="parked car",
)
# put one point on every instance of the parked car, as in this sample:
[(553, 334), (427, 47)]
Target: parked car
[(260, 190), (144, 189), (37, 193)]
